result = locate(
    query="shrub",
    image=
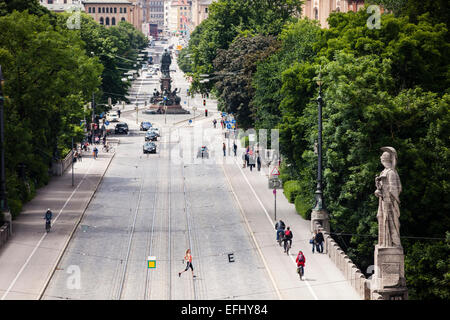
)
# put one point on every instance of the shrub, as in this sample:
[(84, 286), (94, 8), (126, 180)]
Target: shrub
[(291, 189), (303, 206)]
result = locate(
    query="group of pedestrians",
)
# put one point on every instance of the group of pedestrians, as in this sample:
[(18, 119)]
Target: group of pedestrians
[(251, 158), (317, 241)]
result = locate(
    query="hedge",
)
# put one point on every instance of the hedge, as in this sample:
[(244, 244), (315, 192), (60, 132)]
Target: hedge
[(303, 206), (291, 189)]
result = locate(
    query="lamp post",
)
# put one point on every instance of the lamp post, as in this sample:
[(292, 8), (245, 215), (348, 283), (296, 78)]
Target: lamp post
[(4, 211), (319, 212)]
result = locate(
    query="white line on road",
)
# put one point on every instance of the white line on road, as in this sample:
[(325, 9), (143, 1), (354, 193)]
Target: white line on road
[(43, 237), (270, 221)]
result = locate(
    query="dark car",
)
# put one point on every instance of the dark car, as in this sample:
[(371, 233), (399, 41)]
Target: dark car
[(145, 125), (121, 128), (151, 136), (203, 152), (149, 147)]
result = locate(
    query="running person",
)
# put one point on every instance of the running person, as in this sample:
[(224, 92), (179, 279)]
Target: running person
[(188, 259)]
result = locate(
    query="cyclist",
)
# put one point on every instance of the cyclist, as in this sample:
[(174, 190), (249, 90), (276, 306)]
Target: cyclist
[(287, 238), (300, 264), (280, 226), (48, 219)]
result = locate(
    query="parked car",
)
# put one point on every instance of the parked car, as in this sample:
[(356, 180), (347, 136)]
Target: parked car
[(151, 136), (203, 152), (145, 125), (112, 116), (121, 128), (149, 147)]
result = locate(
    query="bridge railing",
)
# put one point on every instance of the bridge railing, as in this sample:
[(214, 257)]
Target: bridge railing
[(351, 272)]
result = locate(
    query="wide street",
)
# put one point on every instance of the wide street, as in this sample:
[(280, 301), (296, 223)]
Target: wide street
[(162, 204)]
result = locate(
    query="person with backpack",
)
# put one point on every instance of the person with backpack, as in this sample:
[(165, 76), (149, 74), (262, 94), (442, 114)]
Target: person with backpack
[(300, 264), (280, 226), (48, 219), (288, 235), (319, 242)]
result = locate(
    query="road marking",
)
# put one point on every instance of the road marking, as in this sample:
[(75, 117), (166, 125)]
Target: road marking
[(253, 237), (43, 236), (270, 221)]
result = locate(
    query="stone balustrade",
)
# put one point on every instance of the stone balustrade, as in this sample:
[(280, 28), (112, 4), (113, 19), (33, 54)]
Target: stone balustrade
[(351, 272)]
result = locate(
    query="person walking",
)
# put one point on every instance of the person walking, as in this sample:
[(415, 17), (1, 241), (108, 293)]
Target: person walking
[(312, 241), (258, 161), (235, 148), (251, 160), (104, 139), (319, 242), (118, 113), (244, 159), (300, 264), (188, 260), (224, 148), (214, 123), (95, 152)]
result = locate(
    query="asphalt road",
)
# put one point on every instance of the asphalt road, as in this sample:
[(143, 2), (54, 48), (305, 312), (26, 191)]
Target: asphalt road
[(162, 204)]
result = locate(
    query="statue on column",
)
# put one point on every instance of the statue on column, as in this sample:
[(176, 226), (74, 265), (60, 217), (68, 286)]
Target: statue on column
[(166, 60), (388, 191)]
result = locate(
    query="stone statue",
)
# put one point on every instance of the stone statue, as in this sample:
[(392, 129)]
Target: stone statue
[(166, 60), (388, 191)]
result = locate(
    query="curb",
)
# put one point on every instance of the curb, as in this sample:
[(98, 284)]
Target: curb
[(58, 260)]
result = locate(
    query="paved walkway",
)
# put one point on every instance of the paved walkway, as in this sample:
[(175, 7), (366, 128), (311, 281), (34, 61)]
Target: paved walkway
[(29, 258)]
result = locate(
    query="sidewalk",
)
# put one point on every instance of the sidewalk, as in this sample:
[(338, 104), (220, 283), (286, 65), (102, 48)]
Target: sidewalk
[(29, 258), (323, 279)]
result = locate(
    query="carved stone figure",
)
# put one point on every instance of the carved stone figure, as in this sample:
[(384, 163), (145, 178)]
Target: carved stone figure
[(166, 60), (388, 191)]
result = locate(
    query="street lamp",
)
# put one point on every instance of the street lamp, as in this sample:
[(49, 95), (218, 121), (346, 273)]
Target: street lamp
[(319, 212)]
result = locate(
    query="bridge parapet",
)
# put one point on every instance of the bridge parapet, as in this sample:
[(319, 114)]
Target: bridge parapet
[(351, 272)]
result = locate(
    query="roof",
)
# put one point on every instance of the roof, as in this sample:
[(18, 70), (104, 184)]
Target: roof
[(106, 2)]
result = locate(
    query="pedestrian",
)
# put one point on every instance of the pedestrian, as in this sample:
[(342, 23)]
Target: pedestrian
[(80, 156), (300, 264), (247, 159), (312, 241), (235, 148), (251, 160), (118, 113), (206, 112), (104, 139), (90, 138), (95, 152), (222, 123), (258, 161), (214, 123), (224, 148), (97, 139), (244, 159), (319, 242), (188, 260)]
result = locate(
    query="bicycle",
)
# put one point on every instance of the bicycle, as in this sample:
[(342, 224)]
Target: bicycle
[(280, 237), (300, 271), (287, 246), (107, 149)]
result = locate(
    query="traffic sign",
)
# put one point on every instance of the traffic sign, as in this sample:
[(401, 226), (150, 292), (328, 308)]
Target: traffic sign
[(228, 126), (275, 172), (190, 121), (106, 123), (275, 183), (233, 121)]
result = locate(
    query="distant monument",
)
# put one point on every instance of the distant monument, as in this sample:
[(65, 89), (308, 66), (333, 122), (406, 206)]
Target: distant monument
[(166, 100), (388, 281)]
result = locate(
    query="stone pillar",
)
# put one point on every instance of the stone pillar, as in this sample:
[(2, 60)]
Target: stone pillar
[(389, 280), (320, 216)]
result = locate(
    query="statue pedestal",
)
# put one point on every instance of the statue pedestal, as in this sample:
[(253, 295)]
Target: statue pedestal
[(322, 217), (388, 281)]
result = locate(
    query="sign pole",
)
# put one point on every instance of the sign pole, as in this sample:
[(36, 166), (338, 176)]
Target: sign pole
[(275, 196)]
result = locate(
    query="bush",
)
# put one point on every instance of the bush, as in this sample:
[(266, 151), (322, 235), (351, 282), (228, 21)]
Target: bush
[(303, 206), (291, 190), (244, 141)]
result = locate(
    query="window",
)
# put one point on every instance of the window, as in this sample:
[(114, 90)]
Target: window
[(90, 10), (107, 10), (93, 9), (120, 9), (103, 9), (115, 10), (206, 10), (110, 10), (124, 10), (107, 21), (99, 9), (50, 2), (101, 20), (113, 21), (316, 14), (123, 19)]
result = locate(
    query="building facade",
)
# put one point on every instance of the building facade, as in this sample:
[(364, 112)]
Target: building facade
[(321, 9), (111, 12), (200, 11), (61, 5), (155, 13)]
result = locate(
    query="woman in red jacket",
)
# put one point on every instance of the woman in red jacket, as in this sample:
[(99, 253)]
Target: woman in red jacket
[(300, 264)]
